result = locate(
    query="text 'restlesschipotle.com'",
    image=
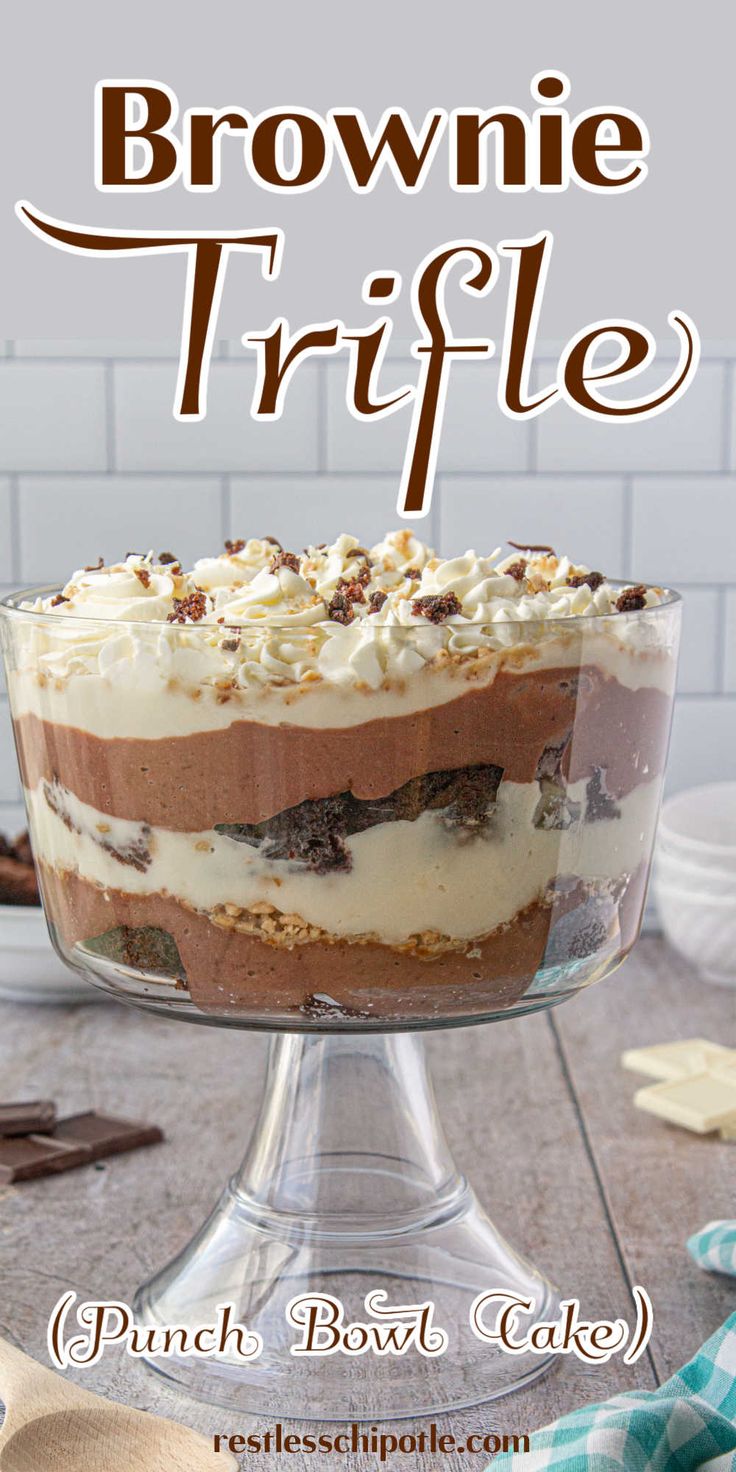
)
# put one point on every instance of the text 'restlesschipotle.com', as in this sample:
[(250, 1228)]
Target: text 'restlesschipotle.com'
[(380, 1444)]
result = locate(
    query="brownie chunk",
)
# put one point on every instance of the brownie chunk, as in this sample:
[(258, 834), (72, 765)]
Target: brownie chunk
[(313, 833), (18, 882)]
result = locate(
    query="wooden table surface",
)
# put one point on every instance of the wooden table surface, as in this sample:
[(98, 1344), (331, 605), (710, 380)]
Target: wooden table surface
[(538, 1112)]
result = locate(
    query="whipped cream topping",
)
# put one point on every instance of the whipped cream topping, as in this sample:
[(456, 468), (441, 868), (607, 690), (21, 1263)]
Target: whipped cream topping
[(342, 612)]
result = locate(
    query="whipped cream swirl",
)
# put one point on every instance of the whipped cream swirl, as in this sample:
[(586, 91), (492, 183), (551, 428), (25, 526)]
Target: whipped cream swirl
[(351, 615)]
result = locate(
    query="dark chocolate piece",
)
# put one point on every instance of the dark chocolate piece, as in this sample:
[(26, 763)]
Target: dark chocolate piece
[(28, 1118), (105, 1134), (26, 1156), (78, 1140)]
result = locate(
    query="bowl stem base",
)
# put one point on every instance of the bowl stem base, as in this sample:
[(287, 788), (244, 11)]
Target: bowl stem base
[(348, 1190)]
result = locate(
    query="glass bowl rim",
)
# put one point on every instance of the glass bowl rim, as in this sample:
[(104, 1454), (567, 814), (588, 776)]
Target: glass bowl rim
[(9, 608)]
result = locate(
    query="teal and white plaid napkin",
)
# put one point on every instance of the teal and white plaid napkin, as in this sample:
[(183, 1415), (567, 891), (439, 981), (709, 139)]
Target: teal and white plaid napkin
[(687, 1425)]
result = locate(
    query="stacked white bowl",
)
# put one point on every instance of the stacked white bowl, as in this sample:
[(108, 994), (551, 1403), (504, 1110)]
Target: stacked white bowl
[(695, 878)]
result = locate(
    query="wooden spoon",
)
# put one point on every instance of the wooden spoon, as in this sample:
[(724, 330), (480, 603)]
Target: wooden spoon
[(51, 1423)]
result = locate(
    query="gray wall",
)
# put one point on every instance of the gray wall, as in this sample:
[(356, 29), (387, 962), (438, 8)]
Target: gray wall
[(666, 244)]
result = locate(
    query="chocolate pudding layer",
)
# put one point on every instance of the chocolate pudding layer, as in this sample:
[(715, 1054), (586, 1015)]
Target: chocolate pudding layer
[(351, 779), (585, 719), (230, 965)]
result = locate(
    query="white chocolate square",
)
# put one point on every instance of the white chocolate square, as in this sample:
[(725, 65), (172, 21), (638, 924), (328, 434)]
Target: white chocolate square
[(677, 1060), (700, 1102)]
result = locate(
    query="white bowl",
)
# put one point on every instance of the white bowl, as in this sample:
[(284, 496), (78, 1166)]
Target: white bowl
[(690, 875), (702, 927), (700, 825), (703, 855), (30, 970)]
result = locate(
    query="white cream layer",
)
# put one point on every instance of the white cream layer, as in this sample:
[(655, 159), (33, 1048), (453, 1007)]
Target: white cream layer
[(133, 700), (406, 877)]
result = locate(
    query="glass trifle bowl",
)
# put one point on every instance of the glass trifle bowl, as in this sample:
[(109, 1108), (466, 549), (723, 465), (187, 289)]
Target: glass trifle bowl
[(342, 797)]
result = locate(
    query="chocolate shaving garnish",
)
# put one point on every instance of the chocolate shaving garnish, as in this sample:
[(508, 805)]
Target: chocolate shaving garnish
[(95, 566), (530, 547), (284, 559), (579, 580), (273, 540), (192, 608), (232, 547), (59, 599), (165, 559), (376, 601), (437, 606), (143, 576), (340, 609), (632, 599), (517, 570)]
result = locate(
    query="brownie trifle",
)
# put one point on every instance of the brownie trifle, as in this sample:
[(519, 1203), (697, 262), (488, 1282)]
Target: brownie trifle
[(348, 782)]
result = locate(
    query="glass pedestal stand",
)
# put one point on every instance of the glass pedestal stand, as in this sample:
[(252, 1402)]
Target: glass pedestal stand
[(348, 1189)]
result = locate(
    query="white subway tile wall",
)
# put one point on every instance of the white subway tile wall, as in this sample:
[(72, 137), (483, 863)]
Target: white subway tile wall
[(93, 463)]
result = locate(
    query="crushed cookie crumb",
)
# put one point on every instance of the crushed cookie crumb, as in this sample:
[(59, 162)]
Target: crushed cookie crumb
[(376, 601), (95, 566), (517, 570), (340, 609), (284, 559), (230, 645), (273, 540), (59, 599), (632, 599), (143, 575), (192, 608), (166, 559), (437, 606), (414, 573), (232, 548), (579, 580)]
